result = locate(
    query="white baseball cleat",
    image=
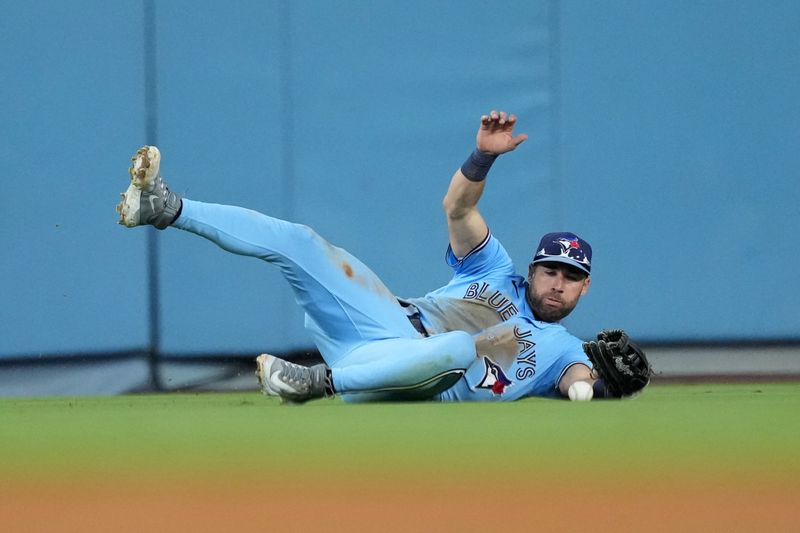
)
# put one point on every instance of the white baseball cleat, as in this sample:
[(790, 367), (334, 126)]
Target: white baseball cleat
[(292, 382), (148, 200)]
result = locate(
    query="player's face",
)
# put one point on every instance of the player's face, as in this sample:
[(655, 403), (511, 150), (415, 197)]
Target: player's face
[(554, 290)]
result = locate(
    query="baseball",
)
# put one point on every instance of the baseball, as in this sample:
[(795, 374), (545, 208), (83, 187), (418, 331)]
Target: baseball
[(580, 391)]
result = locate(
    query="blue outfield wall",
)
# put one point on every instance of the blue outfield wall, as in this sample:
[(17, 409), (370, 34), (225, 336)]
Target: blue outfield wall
[(666, 133)]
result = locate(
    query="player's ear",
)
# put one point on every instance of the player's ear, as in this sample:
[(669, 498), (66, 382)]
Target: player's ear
[(586, 282), (530, 270)]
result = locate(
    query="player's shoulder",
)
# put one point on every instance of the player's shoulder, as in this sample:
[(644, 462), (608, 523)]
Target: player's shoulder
[(489, 255), (570, 348), (566, 337)]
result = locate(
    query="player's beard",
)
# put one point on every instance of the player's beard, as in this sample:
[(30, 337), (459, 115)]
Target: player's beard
[(547, 313)]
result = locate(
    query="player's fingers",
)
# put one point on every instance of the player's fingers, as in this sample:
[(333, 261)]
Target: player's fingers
[(485, 120), (498, 121), (503, 117)]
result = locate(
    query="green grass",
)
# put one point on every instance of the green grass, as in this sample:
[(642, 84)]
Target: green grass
[(711, 430)]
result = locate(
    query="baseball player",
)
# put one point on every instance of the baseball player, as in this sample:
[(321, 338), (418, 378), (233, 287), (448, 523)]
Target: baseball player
[(488, 335)]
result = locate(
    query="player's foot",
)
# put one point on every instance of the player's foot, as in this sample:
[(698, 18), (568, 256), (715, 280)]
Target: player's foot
[(294, 383), (148, 200)]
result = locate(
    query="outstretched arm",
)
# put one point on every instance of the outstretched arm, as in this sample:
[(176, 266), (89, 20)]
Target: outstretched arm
[(577, 372), (465, 224)]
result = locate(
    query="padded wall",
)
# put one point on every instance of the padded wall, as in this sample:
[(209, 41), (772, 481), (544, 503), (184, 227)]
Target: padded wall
[(665, 133)]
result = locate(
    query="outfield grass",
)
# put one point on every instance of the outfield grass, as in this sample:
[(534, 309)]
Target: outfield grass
[(678, 458), (740, 430)]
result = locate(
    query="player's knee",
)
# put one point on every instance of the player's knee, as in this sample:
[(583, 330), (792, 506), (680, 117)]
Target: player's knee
[(462, 346), (303, 232), (308, 234)]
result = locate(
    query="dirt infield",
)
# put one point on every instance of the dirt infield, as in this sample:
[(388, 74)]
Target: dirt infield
[(393, 505)]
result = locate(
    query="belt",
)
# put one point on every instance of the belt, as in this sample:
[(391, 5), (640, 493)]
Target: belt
[(414, 317)]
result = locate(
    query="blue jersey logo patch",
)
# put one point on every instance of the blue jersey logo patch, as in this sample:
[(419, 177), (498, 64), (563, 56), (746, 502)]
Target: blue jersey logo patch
[(494, 378)]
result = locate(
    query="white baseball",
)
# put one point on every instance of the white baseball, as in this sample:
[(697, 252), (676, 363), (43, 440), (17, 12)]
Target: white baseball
[(580, 391)]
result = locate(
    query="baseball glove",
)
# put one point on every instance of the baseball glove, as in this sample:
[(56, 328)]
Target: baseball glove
[(620, 363)]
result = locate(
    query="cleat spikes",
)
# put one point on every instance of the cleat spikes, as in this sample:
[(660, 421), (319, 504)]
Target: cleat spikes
[(148, 201)]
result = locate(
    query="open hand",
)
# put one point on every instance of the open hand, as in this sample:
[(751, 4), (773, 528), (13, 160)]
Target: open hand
[(496, 134)]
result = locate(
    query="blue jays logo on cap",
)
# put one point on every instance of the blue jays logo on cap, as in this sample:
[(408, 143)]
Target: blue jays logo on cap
[(565, 248), (494, 378)]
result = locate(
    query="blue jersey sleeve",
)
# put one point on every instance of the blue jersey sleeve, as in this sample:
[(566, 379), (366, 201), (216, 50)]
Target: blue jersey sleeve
[(573, 355), (488, 258), (570, 354)]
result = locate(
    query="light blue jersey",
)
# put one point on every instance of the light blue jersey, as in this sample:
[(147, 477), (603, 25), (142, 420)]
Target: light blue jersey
[(518, 356)]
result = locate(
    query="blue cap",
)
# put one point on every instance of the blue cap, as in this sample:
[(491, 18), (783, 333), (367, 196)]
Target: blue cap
[(565, 247)]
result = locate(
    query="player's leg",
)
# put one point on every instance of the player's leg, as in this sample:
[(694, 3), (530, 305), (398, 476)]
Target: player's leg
[(383, 370), (346, 301), (404, 369), (373, 351)]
